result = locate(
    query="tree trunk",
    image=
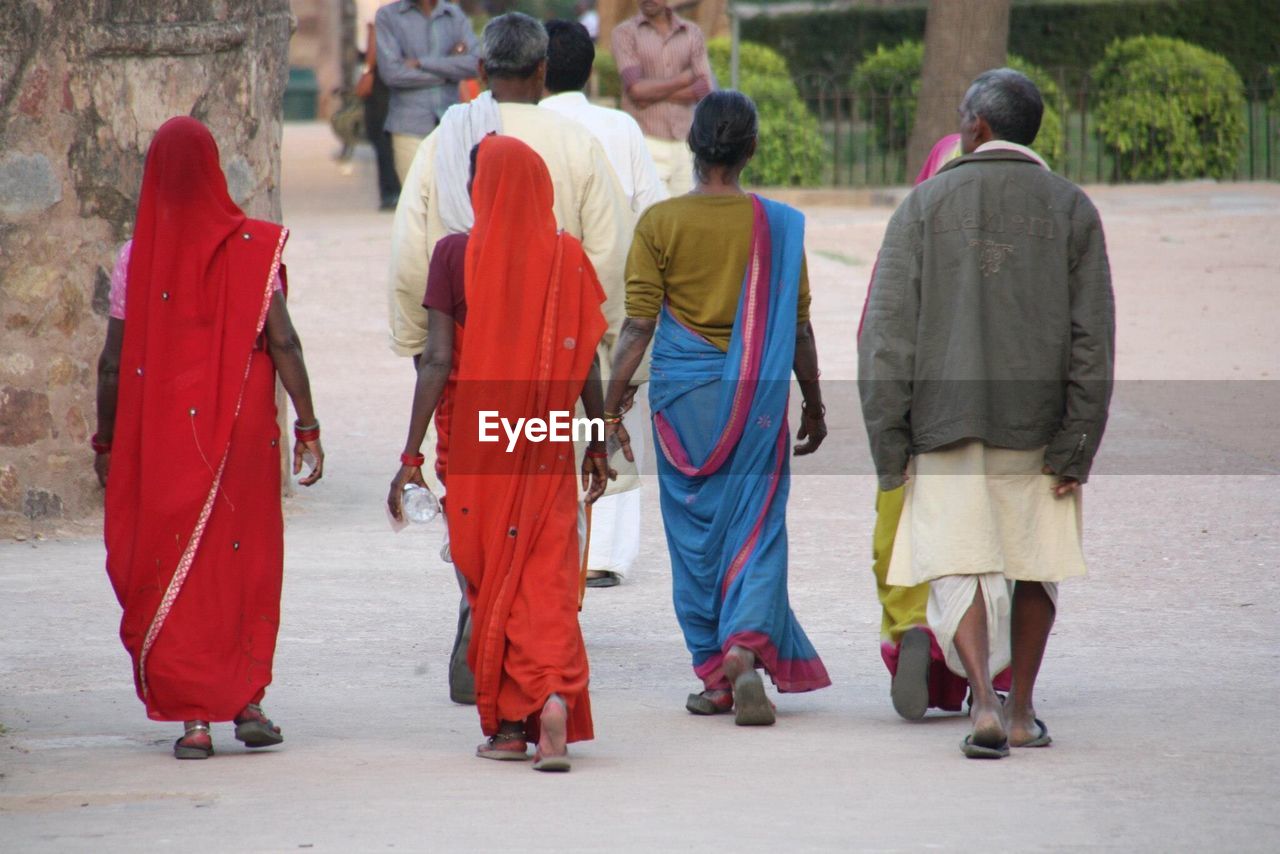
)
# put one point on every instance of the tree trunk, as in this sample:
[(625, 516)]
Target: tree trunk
[(962, 39), (83, 87)]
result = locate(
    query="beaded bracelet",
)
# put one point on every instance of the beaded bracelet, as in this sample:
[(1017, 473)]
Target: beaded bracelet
[(412, 459), (822, 410), (99, 446)]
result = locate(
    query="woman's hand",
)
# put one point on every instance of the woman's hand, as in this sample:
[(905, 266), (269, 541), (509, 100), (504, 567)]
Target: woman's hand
[(102, 465), (616, 436), (596, 473), (395, 498), (312, 453), (813, 427)]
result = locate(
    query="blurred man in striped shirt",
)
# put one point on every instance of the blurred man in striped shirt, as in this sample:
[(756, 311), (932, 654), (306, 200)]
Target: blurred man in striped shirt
[(662, 59)]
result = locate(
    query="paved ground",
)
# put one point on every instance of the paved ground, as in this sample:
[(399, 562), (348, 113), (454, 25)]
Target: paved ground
[(1160, 686)]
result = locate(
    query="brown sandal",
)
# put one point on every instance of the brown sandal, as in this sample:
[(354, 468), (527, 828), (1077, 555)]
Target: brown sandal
[(256, 729), (183, 750)]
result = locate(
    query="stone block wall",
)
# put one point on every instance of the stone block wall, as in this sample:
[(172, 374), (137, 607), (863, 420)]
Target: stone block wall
[(83, 86)]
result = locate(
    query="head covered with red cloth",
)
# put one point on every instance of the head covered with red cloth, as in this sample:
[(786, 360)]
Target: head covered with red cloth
[(192, 378), (534, 320)]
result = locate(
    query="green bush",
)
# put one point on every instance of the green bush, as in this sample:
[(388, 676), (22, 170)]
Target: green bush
[(888, 86), (1169, 109), (606, 73), (791, 150), (1071, 34)]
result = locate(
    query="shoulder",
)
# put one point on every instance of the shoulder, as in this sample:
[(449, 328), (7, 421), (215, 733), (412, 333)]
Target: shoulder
[(452, 243), (628, 27)]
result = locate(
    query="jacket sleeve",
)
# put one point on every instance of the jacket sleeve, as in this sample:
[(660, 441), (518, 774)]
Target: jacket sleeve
[(456, 66), (391, 57), (1091, 371), (887, 346), (410, 255)]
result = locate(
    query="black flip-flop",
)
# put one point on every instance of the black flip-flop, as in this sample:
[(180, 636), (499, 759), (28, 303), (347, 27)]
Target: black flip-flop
[(750, 701), (1041, 740), (909, 689), (973, 750), (609, 579), (701, 704)]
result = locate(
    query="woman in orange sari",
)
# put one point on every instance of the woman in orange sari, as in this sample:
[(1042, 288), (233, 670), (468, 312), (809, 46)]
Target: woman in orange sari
[(187, 444), (533, 320)]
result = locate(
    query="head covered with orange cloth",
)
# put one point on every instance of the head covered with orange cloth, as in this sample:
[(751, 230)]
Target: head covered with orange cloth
[(533, 324)]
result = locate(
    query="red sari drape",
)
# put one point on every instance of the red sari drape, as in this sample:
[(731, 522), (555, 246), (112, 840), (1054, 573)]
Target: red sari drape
[(194, 533), (533, 322)]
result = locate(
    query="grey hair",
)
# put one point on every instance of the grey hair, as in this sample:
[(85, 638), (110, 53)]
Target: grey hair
[(1008, 101), (512, 45)]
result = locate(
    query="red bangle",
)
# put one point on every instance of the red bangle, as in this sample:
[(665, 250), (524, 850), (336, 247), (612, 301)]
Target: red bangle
[(306, 435), (598, 455), (99, 447), (412, 460)]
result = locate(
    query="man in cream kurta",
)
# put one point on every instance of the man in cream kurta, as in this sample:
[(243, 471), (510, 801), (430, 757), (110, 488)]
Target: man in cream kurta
[(589, 204)]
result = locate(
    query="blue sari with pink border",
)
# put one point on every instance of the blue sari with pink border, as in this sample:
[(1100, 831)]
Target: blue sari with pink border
[(720, 421)]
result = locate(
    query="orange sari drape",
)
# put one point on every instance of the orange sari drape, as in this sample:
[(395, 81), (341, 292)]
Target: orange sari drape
[(533, 322)]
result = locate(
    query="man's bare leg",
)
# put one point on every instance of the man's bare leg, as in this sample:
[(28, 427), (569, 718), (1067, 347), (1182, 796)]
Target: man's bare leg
[(1033, 614), (974, 650)]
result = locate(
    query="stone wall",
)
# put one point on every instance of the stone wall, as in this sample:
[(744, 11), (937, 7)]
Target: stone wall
[(83, 86)]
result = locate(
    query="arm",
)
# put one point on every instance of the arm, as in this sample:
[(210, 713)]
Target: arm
[(396, 69), (642, 90), (886, 348), (462, 62), (813, 423), (285, 349), (595, 464), (108, 393), (703, 78), (633, 340), (1091, 370), (433, 374), (411, 255)]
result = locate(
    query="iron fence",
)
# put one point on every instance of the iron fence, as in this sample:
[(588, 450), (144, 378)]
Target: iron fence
[(866, 131)]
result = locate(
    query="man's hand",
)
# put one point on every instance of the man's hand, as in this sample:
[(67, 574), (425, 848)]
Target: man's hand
[(1065, 485), (458, 49), (312, 453), (412, 62), (628, 399), (595, 475)]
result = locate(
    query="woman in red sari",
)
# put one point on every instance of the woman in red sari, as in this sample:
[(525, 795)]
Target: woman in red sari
[(187, 444), (533, 320)]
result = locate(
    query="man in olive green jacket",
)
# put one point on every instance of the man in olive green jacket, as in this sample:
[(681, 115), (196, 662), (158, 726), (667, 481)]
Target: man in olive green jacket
[(989, 342)]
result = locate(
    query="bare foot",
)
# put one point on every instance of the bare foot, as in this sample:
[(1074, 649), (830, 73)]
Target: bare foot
[(988, 726), (553, 752), (555, 718), (1023, 728), (737, 661)]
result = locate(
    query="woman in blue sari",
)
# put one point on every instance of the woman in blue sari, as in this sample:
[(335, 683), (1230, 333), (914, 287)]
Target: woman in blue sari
[(717, 279)]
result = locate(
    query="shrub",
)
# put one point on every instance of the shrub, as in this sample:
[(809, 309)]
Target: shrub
[(791, 151), (608, 82), (888, 86), (1169, 109)]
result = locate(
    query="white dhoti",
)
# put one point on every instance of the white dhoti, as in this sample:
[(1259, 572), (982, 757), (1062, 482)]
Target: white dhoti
[(975, 516), (615, 517)]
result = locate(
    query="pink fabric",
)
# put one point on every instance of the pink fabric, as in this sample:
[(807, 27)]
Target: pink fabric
[(947, 691), (792, 676), (119, 275)]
